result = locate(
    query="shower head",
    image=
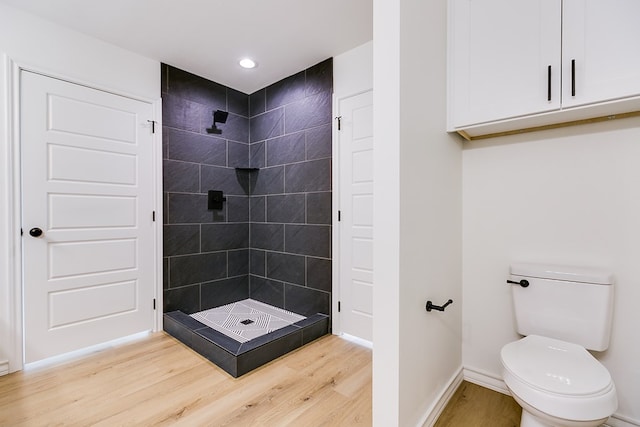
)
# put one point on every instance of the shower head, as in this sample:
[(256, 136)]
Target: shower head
[(219, 116)]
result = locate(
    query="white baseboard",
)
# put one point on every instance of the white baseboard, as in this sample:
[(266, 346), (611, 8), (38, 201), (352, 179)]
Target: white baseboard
[(495, 383), (432, 414), (4, 367), (621, 421), (486, 380)]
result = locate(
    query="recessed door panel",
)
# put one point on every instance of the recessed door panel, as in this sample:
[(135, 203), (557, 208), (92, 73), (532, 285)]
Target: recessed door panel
[(74, 306), (90, 211)]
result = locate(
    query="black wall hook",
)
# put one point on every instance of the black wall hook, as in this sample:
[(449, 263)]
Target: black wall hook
[(431, 306)]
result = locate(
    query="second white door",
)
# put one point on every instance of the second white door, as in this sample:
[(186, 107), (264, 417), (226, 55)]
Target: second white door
[(355, 162)]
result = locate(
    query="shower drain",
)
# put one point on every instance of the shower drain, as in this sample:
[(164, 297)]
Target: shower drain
[(246, 322)]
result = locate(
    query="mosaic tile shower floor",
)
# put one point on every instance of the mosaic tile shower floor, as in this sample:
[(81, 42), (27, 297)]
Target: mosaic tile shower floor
[(247, 319)]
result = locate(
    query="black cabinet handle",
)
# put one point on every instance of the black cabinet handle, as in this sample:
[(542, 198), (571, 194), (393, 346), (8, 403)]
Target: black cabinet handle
[(549, 83), (573, 77)]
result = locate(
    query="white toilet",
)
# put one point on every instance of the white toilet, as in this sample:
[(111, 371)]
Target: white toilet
[(562, 311)]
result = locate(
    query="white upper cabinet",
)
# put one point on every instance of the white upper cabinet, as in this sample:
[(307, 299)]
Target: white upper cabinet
[(527, 64), (601, 38), (501, 52)]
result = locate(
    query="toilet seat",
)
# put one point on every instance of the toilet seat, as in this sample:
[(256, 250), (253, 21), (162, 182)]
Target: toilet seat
[(558, 378)]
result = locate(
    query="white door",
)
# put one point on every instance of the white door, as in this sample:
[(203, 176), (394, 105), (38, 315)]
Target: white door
[(87, 184), (505, 59), (600, 55), (355, 142)]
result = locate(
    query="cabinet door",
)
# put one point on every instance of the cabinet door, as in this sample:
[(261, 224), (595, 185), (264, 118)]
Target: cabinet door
[(500, 54), (602, 38)]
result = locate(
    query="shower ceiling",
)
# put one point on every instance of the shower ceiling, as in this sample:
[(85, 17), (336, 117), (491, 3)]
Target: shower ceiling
[(209, 37)]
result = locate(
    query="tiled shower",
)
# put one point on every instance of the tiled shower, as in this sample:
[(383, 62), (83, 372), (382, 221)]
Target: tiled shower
[(272, 240)]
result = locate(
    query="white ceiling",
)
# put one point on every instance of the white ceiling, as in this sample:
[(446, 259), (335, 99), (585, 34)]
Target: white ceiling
[(208, 37)]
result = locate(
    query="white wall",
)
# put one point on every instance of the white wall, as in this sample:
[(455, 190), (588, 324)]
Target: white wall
[(353, 70), (417, 215), (568, 196), (33, 43)]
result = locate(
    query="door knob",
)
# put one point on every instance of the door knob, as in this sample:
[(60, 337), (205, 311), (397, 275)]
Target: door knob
[(35, 232)]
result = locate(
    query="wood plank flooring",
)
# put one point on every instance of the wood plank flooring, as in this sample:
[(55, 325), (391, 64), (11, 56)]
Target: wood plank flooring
[(159, 381), (475, 406)]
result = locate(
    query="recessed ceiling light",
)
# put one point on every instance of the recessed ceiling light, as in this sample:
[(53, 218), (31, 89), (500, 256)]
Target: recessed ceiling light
[(247, 63)]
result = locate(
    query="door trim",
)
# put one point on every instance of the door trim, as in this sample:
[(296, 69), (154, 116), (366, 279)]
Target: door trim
[(336, 327), (10, 78)]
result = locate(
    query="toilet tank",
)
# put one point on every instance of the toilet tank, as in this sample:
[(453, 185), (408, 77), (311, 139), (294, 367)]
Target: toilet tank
[(567, 303)]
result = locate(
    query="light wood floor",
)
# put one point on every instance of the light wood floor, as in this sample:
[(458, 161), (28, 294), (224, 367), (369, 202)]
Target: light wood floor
[(159, 381), (475, 406)]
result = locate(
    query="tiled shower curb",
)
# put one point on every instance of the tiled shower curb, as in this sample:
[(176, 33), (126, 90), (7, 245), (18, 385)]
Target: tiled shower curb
[(239, 358)]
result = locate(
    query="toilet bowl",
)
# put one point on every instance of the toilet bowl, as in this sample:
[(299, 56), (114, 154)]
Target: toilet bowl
[(557, 383)]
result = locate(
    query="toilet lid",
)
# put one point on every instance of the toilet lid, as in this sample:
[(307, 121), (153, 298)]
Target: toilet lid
[(555, 366)]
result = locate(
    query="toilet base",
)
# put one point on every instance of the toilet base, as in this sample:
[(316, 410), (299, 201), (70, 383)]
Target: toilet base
[(530, 420)]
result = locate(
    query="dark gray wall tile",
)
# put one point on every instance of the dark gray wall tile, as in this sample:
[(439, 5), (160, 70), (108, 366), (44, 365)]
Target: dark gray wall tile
[(190, 208), (237, 208), (238, 155), (165, 142), (266, 291), (165, 273), (238, 262), (186, 299), (308, 176), (268, 181), (230, 181), (289, 208), (286, 91), (258, 209), (267, 236), (218, 237), (309, 112), (236, 128), (180, 113), (258, 262), (314, 240), (257, 102), (181, 239), (180, 176), (165, 208), (319, 78), (237, 102), (319, 274), (197, 148), (164, 78), (319, 142), (190, 269), (319, 208), (197, 89), (267, 125), (306, 301), (286, 149), (257, 155), (222, 292), (285, 267)]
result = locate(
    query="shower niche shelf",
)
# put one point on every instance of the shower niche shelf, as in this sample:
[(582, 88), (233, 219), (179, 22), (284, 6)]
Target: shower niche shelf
[(238, 358)]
